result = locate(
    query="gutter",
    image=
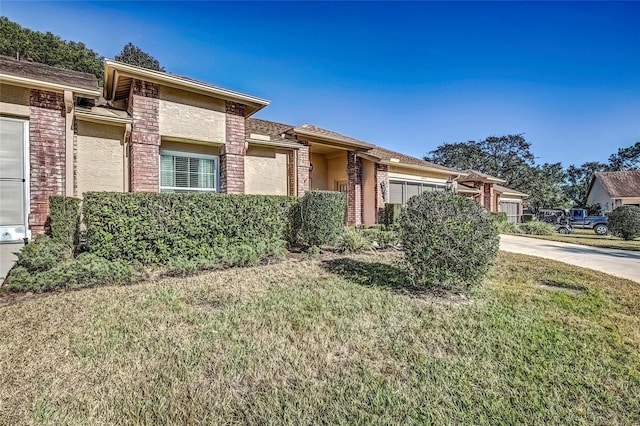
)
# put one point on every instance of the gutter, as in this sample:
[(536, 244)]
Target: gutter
[(55, 87), (274, 144), (101, 118)]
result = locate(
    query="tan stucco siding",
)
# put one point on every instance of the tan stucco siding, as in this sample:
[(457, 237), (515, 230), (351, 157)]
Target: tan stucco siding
[(319, 172), (14, 100), (368, 193), (418, 175), (100, 161), (265, 171), (599, 195), (194, 148), (185, 115), (336, 171), (630, 200)]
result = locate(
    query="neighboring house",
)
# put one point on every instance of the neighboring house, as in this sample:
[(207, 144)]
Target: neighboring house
[(614, 189), (152, 131), (488, 192)]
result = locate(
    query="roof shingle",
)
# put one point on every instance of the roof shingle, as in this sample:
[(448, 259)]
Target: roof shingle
[(48, 73), (621, 184)]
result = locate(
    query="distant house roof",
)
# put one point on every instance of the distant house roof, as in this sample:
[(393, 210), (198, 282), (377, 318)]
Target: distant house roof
[(508, 191), (320, 133), (29, 74), (619, 184), (399, 159), (475, 175), (268, 128)]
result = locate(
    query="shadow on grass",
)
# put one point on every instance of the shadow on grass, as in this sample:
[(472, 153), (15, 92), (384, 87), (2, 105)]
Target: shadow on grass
[(376, 274)]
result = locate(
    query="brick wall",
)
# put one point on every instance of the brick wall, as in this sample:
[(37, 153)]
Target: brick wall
[(46, 154), (354, 196), (144, 148), (382, 190), (303, 164), (488, 196), (233, 152)]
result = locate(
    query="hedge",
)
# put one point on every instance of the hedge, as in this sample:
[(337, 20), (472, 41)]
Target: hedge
[(155, 228), (64, 219), (392, 214), (318, 218), (624, 222)]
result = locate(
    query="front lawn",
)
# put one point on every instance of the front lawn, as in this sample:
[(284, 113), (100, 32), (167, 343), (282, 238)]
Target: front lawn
[(587, 237), (337, 340)]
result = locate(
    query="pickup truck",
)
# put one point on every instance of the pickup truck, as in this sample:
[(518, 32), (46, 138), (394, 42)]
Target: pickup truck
[(577, 218)]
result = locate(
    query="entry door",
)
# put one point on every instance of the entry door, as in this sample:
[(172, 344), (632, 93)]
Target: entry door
[(13, 179)]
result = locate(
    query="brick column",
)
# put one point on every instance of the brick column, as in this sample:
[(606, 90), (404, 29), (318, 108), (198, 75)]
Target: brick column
[(354, 196), (487, 193), (302, 167), (233, 152), (381, 180), (47, 154), (144, 149)]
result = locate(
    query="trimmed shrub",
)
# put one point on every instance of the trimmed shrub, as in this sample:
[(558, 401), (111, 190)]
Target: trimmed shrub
[(499, 216), (42, 254), (64, 219), (536, 227), (392, 214), (85, 271), (449, 240), (507, 227), (624, 222), (154, 228), (353, 240), (318, 218)]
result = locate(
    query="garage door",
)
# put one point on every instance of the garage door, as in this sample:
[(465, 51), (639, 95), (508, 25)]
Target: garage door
[(512, 210), (13, 179)]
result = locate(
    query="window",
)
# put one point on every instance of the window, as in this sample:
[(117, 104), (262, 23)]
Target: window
[(186, 172), (401, 190), (14, 179)]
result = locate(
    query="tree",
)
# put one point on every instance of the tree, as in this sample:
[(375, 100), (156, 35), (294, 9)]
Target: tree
[(545, 187), (577, 181), (47, 48), (508, 157), (626, 158), (133, 55)]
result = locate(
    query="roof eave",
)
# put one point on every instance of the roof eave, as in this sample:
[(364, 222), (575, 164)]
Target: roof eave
[(46, 85), (418, 167), (342, 141)]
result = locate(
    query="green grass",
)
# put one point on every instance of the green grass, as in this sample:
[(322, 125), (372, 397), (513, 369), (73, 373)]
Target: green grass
[(337, 341), (587, 237)]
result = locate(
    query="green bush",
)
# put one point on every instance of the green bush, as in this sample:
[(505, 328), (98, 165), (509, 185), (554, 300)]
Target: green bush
[(353, 240), (392, 214), (499, 216), (536, 227), (507, 227), (380, 237), (449, 240), (85, 271), (318, 218), (528, 217), (64, 219), (624, 222), (42, 254), (154, 228)]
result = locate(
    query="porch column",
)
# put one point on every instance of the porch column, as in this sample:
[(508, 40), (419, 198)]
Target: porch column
[(144, 149), (382, 190), (233, 152), (302, 169), (354, 194)]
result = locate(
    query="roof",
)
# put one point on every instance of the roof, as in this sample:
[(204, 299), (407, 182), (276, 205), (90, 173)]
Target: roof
[(477, 175), (315, 131), (467, 189), (399, 159), (269, 128), (25, 73), (118, 77), (619, 184), (504, 190), (103, 113)]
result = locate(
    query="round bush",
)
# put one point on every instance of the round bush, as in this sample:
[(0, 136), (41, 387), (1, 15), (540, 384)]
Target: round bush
[(624, 222), (449, 240)]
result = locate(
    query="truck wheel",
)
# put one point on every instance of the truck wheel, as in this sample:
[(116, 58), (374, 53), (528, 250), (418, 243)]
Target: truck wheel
[(564, 230), (600, 229)]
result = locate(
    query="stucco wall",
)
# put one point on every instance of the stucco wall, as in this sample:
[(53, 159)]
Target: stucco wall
[(419, 175), (631, 200), (14, 100), (319, 173), (599, 195), (265, 171), (336, 171), (369, 212), (100, 158), (185, 115), (195, 148)]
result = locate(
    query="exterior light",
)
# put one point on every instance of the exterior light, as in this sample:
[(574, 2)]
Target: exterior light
[(310, 167)]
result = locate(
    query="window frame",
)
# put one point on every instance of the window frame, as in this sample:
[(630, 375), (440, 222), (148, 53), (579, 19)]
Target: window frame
[(186, 154)]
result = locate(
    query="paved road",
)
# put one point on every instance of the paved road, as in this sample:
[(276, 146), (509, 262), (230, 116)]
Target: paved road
[(621, 263)]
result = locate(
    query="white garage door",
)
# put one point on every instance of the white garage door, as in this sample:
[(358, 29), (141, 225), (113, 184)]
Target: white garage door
[(13, 179)]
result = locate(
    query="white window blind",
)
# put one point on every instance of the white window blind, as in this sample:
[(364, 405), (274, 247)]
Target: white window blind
[(183, 172)]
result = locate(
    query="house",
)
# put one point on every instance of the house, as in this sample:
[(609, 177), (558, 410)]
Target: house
[(147, 130), (614, 189), (489, 192)]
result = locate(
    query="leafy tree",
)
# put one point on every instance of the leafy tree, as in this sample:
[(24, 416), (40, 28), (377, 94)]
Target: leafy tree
[(47, 48), (577, 181), (544, 185), (508, 157), (626, 158), (133, 55)]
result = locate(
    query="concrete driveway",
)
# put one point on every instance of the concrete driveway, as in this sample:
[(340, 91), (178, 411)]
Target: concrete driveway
[(621, 263)]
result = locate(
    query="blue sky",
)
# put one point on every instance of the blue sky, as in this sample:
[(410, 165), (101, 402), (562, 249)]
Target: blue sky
[(408, 76)]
